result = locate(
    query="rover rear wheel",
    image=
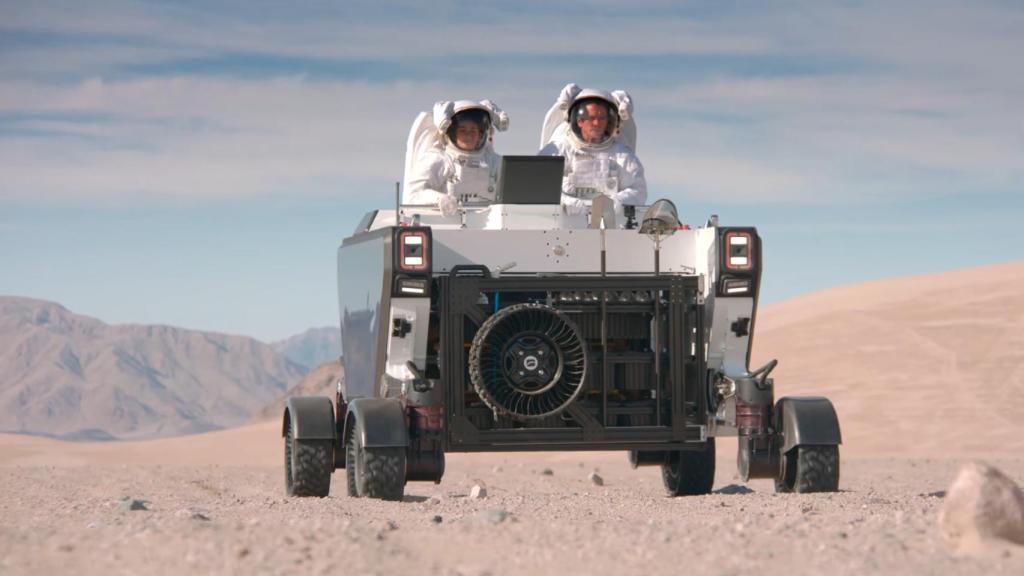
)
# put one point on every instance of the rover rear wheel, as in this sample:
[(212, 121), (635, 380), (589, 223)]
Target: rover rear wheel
[(690, 472), (373, 472)]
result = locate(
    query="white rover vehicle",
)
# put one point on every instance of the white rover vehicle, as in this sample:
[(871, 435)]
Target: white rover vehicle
[(518, 327)]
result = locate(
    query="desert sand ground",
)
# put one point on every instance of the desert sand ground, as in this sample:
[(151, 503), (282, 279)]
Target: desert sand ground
[(214, 509), (925, 375)]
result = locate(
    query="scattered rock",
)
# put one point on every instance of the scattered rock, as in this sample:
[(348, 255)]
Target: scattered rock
[(596, 479), (132, 504), (437, 519), (192, 514), (478, 492), (496, 469), (982, 504), (547, 472), (734, 489), (494, 515)]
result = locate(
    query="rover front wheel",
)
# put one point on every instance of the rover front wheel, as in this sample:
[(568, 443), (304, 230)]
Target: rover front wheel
[(690, 472), (810, 468), (308, 465)]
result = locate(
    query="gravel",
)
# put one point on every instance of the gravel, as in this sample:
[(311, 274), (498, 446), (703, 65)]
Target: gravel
[(229, 520)]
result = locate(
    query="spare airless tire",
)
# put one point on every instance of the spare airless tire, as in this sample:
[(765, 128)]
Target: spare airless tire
[(528, 361)]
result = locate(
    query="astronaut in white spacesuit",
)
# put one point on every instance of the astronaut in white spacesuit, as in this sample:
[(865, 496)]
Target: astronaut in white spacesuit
[(450, 160), (595, 132)]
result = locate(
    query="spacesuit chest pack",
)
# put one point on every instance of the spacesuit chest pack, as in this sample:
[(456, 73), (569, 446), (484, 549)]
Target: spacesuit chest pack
[(473, 178), (593, 174)]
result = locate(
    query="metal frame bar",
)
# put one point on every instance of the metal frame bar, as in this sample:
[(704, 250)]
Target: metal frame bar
[(457, 296)]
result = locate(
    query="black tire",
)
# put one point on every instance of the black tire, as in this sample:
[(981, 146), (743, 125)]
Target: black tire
[(350, 463), (308, 465), (373, 472), (528, 362), (690, 472), (805, 469)]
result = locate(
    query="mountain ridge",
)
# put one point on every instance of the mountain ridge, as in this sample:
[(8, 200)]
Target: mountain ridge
[(66, 375)]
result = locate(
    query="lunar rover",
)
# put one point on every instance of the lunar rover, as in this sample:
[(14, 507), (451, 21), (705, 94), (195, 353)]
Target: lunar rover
[(518, 327)]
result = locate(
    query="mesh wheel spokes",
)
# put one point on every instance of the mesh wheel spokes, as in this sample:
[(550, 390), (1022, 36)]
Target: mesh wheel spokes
[(528, 361)]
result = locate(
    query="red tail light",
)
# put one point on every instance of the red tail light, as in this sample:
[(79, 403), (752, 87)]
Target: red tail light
[(413, 250), (739, 251)]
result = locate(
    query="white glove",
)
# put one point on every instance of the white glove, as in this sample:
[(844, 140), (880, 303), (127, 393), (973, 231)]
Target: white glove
[(567, 95), (574, 205), (618, 207), (498, 116), (448, 205), (625, 103), (443, 111)]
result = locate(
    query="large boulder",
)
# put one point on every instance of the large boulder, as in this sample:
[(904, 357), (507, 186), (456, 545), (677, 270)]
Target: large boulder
[(982, 506)]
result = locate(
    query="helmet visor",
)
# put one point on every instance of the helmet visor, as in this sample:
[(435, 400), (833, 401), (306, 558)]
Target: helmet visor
[(469, 129), (594, 120)]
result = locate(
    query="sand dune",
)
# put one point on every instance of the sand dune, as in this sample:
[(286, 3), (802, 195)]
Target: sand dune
[(926, 366)]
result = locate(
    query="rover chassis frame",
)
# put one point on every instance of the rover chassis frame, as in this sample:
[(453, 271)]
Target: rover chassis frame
[(673, 417)]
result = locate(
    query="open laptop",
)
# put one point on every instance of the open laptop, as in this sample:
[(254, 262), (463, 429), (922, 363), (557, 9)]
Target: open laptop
[(530, 180)]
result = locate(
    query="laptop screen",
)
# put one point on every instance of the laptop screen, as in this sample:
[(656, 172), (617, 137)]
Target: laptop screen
[(530, 180)]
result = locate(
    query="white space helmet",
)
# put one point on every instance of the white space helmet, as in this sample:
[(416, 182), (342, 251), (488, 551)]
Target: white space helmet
[(573, 107), (484, 116), (584, 105)]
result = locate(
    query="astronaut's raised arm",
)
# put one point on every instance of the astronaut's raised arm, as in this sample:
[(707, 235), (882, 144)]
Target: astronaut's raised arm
[(426, 182)]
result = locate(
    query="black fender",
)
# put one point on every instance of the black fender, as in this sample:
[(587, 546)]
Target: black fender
[(380, 422), (312, 418), (806, 420)]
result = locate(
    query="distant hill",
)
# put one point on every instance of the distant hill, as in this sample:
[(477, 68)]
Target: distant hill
[(321, 381), (312, 347), (73, 377)]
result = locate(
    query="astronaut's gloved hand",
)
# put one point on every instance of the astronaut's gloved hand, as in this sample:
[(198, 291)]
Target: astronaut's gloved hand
[(620, 209), (574, 205), (625, 104), (567, 95), (448, 205)]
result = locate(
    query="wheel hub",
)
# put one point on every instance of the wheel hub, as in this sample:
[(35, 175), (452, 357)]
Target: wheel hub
[(531, 363)]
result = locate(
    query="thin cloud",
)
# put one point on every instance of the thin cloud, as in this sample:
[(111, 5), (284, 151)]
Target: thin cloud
[(733, 105)]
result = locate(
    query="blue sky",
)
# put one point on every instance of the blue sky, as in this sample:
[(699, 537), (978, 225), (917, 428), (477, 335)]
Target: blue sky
[(196, 163)]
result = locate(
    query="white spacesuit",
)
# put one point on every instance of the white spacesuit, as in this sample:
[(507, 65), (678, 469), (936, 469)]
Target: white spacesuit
[(595, 132), (449, 158)]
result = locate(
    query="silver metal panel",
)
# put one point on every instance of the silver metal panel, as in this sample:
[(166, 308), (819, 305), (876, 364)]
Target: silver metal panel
[(726, 349), (552, 251), (492, 217), (361, 279), (628, 251), (413, 346), (563, 251)]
